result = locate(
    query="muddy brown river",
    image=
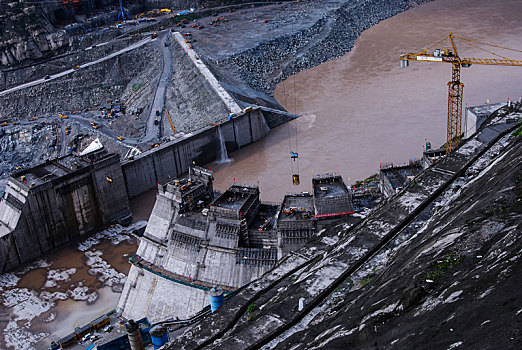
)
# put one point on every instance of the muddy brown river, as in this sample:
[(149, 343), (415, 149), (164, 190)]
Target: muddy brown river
[(362, 109), (358, 111)]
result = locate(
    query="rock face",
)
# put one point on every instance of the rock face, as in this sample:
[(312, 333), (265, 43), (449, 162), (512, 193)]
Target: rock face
[(26, 35), (436, 266), (85, 87), (31, 32)]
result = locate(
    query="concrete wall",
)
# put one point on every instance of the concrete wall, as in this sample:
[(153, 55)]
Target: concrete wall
[(475, 116), (34, 220), (172, 159)]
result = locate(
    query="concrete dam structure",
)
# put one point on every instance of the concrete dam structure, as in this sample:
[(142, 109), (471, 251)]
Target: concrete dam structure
[(173, 159), (72, 196), (197, 239), (59, 201)]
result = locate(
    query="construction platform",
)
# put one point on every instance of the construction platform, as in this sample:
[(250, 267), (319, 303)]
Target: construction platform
[(197, 239)]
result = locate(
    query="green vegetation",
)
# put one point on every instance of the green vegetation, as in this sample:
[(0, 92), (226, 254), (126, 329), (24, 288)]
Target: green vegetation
[(365, 281), (442, 267), (136, 87), (252, 307), (366, 181), (292, 278), (518, 132)]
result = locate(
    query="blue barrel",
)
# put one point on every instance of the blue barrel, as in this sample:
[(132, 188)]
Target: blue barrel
[(159, 336), (217, 298)]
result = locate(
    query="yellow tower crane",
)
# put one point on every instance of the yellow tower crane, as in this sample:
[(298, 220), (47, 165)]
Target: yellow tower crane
[(455, 86)]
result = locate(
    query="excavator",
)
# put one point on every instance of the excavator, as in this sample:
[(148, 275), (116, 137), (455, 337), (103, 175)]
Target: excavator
[(455, 86)]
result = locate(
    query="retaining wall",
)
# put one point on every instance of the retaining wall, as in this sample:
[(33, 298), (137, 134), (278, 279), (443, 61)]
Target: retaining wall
[(172, 159)]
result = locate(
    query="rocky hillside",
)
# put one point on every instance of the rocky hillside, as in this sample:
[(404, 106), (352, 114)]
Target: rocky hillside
[(437, 266), (31, 31), (27, 35)]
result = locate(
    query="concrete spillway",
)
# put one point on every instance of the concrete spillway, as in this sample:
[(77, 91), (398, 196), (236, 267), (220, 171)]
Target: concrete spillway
[(172, 159)]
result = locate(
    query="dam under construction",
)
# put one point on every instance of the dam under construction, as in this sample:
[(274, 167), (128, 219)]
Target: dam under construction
[(57, 195), (197, 239), (220, 154)]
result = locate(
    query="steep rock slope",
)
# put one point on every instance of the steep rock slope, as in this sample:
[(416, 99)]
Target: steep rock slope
[(435, 266), (457, 283)]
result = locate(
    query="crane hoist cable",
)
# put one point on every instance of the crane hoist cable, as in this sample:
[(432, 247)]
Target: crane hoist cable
[(294, 152)]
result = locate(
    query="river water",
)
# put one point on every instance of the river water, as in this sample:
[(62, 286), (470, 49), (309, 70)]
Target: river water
[(358, 111), (362, 109), (47, 299)]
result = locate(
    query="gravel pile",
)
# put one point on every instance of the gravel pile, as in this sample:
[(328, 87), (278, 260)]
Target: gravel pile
[(333, 35)]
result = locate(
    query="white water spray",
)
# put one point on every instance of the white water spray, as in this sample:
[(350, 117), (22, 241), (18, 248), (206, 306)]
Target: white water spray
[(223, 155)]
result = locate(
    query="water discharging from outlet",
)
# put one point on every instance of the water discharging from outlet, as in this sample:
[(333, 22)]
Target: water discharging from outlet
[(223, 154)]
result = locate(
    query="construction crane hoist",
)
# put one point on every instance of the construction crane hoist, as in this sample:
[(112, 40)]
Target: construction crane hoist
[(455, 86)]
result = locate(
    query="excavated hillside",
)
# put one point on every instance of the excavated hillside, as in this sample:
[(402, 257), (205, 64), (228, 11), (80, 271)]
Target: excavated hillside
[(436, 266), (41, 46)]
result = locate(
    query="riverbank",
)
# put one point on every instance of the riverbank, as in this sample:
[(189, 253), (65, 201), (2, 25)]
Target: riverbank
[(362, 110), (46, 299), (256, 49)]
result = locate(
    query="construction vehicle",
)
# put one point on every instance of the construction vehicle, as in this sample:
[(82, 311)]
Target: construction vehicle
[(121, 138), (62, 116), (67, 130), (455, 86)]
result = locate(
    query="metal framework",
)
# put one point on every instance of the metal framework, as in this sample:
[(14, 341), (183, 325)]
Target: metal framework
[(455, 91), (71, 3), (455, 86), (123, 14)]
